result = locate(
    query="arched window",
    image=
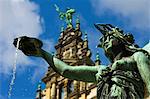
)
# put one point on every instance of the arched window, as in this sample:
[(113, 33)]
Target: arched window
[(61, 92), (70, 87)]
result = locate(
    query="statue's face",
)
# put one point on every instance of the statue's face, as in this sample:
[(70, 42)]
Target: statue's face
[(113, 41), (111, 45), (107, 42)]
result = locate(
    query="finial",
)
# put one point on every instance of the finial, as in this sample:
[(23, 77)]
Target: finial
[(62, 28), (85, 36), (77, 20), (97, 61), (39, 91), (39, 85), (97, 56)]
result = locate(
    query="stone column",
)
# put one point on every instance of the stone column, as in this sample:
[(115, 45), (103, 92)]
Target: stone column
[(76, 89), (65, 89), (83, 90), (75, 85), (83, 96), (48, 90), (53, 89), (58, 91)]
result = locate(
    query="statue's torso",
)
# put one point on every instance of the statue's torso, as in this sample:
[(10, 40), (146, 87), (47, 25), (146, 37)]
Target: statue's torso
[(123, 82)]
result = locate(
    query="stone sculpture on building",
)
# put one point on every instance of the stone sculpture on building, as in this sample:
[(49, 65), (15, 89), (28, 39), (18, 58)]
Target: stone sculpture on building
[(67, 16)]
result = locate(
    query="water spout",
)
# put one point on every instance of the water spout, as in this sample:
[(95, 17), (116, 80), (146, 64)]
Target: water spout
[(14, 70)]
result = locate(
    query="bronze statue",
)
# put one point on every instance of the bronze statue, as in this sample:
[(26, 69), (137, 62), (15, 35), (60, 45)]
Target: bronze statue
[(68, 15), (127, 77)]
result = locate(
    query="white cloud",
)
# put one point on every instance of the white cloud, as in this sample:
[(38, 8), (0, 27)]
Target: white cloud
[(17, 18), (136, 11)]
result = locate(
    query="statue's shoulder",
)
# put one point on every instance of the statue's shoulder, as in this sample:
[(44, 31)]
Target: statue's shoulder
[(144, 53), (137, 54), (141, 56)]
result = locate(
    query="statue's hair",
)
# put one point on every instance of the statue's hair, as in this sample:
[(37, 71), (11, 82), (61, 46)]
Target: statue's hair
[(134, 49), (126, 39), (130, 46)]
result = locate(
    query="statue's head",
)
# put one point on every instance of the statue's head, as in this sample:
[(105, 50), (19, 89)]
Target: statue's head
[(113, 41)]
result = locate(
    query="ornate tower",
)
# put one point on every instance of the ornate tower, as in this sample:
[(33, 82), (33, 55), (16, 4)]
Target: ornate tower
[(73, 50)]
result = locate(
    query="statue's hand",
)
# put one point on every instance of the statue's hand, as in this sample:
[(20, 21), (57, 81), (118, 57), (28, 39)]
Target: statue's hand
[(29, 46)]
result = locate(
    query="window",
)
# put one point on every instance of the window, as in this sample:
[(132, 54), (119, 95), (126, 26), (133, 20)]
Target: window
[(70, 87), (61, 92)]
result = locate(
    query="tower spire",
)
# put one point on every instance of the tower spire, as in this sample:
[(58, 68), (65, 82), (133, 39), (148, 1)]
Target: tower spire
[(62, 28), (77, 23), (97, 61), (39, 91), (85, 36), (97, 56)]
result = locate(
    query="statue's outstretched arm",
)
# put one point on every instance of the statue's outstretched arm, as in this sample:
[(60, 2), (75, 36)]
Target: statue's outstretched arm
[(82, 73), (32, 47), (143, 64)]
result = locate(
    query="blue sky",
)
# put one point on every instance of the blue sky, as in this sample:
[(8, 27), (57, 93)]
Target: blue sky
[(38, 18)]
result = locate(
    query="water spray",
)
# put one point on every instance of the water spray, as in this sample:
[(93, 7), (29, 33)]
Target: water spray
[(14, 70)]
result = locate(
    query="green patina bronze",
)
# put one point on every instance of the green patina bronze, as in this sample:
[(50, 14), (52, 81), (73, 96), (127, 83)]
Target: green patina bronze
[(67, 16), (126, 78)]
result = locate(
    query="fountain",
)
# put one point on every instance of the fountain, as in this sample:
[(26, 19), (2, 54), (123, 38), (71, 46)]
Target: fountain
[(23, 44)]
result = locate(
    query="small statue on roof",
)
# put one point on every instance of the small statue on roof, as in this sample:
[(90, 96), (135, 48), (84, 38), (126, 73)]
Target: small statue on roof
[(67, 16)]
